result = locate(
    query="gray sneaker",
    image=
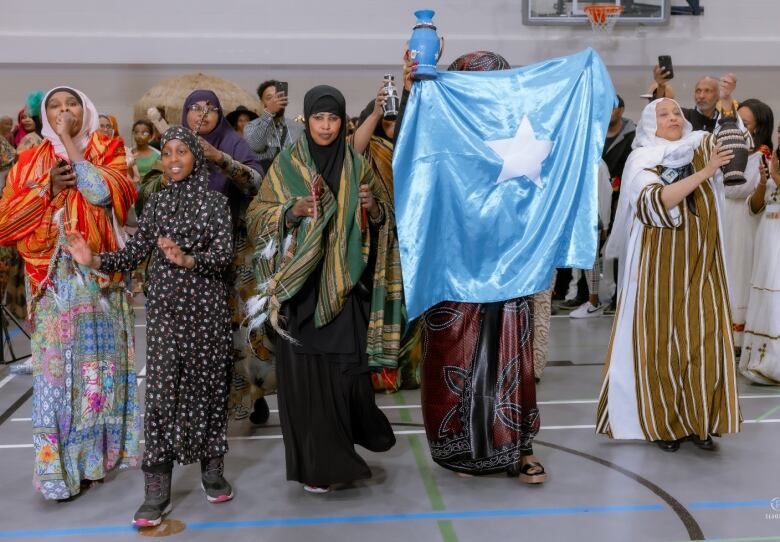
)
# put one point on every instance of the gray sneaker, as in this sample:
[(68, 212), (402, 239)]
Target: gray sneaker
[(213, 482), (157, 499)]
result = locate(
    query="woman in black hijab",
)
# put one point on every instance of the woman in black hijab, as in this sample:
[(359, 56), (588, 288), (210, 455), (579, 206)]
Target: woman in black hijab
[(328, 286)]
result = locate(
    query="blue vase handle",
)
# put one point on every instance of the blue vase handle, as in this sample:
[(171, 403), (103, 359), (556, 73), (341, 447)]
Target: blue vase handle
[(441, 49)]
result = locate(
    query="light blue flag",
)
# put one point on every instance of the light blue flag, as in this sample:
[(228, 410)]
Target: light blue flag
[(496, 179)]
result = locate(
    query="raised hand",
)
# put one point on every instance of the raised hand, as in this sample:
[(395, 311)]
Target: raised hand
[(79, 249), (660, 75), (410, 67), (726, 85), (379, 103), (277, 102)]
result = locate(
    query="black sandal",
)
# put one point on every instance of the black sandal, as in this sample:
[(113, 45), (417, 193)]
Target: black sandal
[(538, 477), (707, 444), (668, 445)]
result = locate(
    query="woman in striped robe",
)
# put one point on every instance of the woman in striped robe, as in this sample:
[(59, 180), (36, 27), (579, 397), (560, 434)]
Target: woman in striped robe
[(670, 371)]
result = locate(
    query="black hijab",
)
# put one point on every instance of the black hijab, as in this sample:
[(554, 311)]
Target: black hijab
[(328, 159), (178, 205)]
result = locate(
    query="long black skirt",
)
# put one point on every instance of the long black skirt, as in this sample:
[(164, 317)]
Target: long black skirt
[(325, 408)]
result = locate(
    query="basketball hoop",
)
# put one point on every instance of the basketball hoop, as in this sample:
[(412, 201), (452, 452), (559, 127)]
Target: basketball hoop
[(603, 17)]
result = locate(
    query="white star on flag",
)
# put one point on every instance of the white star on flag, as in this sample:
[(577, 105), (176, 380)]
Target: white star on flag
[(522, 154)]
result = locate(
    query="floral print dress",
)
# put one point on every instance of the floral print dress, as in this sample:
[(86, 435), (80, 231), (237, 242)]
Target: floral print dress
[(85, 413), (189, 344)]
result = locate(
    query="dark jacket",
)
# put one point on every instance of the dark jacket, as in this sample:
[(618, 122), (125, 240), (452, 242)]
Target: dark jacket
[(699, 121)]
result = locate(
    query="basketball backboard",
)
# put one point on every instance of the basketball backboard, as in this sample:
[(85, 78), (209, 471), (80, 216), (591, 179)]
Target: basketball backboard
[(570, 12)]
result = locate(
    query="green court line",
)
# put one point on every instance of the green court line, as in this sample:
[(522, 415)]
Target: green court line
[(766, 415), (446, 528)]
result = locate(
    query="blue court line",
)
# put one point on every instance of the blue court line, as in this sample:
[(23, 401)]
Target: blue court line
[(378, 518)]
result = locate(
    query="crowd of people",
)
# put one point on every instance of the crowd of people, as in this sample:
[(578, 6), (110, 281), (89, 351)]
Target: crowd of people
[(270, 263)]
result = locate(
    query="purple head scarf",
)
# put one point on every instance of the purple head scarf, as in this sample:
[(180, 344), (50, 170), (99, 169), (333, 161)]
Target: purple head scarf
[(222, 137)]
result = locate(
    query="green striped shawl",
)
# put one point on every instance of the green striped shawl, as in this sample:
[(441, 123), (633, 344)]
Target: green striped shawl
[(285, 257)]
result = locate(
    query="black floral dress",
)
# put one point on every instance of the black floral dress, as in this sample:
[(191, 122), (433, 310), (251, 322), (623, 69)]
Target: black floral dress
[(189, 342)]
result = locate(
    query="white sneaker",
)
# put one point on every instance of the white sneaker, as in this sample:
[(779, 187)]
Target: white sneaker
[(587, 311)]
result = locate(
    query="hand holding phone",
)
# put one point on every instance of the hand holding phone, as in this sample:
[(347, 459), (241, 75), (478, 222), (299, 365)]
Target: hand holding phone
[(667, 70), (278, 102), (61, 177)]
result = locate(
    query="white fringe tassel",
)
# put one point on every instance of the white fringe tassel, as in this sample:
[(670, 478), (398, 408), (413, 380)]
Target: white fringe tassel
[(270, 250)]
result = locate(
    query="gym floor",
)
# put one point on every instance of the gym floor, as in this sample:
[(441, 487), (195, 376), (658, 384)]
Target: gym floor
[(597, 490)]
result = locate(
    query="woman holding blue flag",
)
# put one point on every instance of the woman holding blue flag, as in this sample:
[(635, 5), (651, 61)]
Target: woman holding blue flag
[(670, 373), (478, 386)]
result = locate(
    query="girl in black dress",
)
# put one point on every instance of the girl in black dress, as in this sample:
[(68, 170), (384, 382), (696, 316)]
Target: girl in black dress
[(187, 228)]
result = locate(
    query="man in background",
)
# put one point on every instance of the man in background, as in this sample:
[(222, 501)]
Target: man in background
[(271, 132)]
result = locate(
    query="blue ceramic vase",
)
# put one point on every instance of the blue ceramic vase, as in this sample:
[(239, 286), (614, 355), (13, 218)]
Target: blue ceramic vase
[(424, 45)]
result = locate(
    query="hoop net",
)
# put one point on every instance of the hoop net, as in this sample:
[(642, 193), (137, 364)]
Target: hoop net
[(603, 17)]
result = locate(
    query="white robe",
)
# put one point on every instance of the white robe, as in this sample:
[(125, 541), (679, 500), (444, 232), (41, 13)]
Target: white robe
[(760, 361), (738, 239)]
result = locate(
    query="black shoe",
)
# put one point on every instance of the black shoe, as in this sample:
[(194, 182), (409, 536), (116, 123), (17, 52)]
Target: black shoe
[(668, 445), (260, 412), (213, 482), (707, 444), (570, 305), (157, 499), (611, 308)]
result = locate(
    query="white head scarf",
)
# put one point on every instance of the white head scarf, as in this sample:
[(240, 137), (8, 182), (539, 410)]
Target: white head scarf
[(89, 124), (649, 151)]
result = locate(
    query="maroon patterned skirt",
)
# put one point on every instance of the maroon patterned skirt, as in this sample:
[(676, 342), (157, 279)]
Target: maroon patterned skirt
[(478, 388)]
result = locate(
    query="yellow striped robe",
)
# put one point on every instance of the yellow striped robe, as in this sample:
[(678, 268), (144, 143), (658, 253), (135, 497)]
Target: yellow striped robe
[(670, 370)]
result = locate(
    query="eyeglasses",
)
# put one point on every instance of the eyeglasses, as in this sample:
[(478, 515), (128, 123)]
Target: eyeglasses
[(109, 130), (200, 110)]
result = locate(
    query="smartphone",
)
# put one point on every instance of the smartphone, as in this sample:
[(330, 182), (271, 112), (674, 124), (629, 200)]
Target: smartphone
[(665, 62), (281, 87)]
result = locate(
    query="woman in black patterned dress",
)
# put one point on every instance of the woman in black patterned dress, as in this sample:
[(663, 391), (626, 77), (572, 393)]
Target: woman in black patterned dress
[(189, 348)]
